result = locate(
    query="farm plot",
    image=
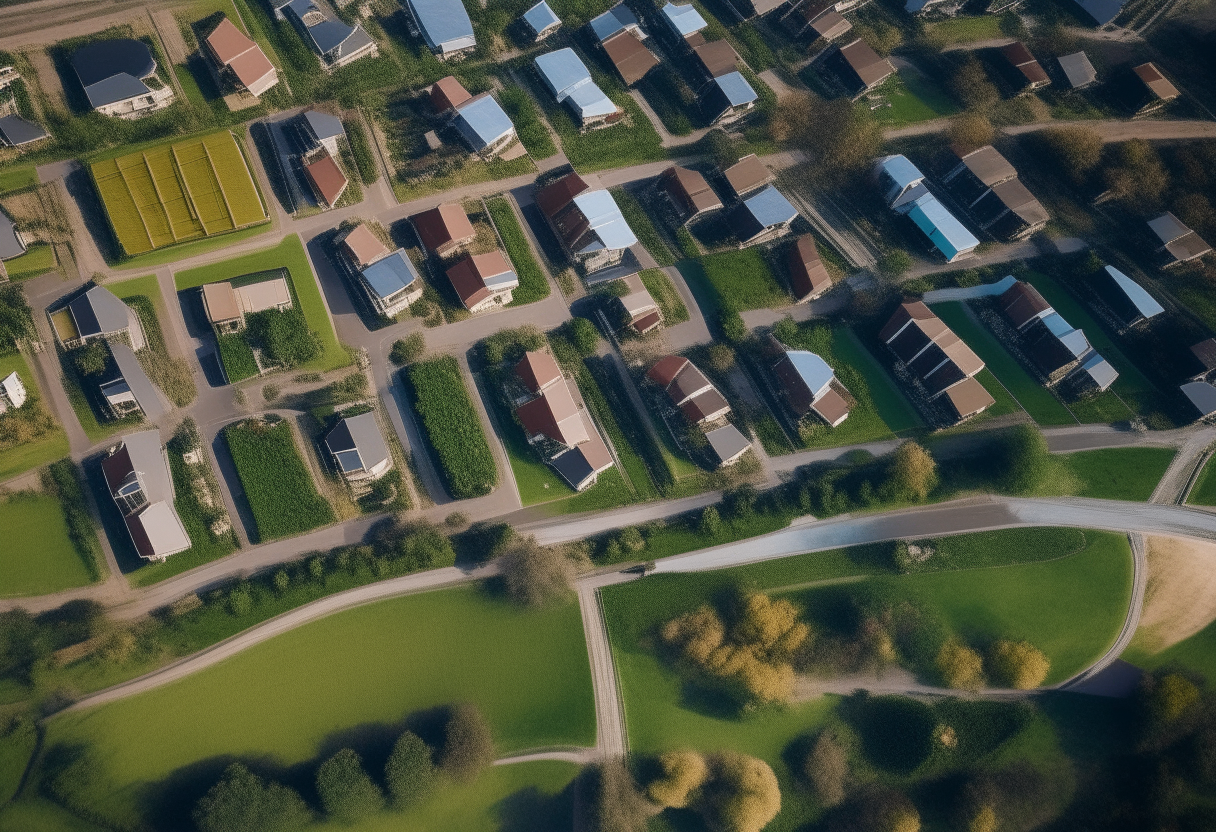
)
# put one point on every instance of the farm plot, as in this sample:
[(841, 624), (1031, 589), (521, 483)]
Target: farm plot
[(173, 193), (442, 402)]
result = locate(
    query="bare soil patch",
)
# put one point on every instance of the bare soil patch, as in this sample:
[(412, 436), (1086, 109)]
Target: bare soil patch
[(1180, 599)]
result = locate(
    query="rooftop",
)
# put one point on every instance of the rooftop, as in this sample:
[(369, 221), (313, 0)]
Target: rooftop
[(445, 24), (630, 56), (389, 275), (537, 370), (683, 19), (988, 165), (869, 66), (1145, 304), (112, 70), (617, 19), (16, 131), (1078, 70), (482, 121), (770, 207), (748, 174), (327, 178), (727, 442), (735, 89), (10, 244), (356, 443), (443, 227), (540, 17), (1157, 83), (949, 235), (137, 380), (448, 93)]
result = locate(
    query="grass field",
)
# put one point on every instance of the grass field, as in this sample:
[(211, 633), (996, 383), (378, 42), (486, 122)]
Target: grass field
[(742, 279), (891, 404), (276, 482), (38, 556), (177, 192), (18, 178), (665, 295), (965, 29), (38, 259), (289, 255), (1204, 492), (366, 671), (27, 455), (533, 285), (1197, 653), (914, 98), (639, 220), (1118, 473)]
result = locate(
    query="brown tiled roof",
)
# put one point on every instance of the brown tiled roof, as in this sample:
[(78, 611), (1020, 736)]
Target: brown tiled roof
[(718, 57), (443, 228), (219, 301), (228, 42), (748, 174), (808, 274), (469, 276), (1205, 352), (554, 414), (831, 24), (963, 356), (555, 196), (1021, 303), (251, 67), (863, 60), (363, 245), (968, 398), (647, 322), (706, 405), (1020, 58), (665, 370), (1019, 200), (538, 370), (594, 450), (630, 56), (448, 93), (690, 190), (1157, 83), (832, 407), (911, 311), (327, 178), (689, 382)]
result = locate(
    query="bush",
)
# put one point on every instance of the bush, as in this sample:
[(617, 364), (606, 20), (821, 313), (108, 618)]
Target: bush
[(1018, 664), (711, 522), (837, 136), (879, 809), (683, 773), (242, 802), (743, 795), (1167, 698), (1075, 151), (91, 359), (960, 667), (971, 131), (1023, 459), (452, 426), (894, 263), (65, 482), (410, 772), (971, 86), (827, 769), (913, 472), (237, 357), (468, 745), (407, 350), (511, 344), (284, 336), (347, 793), (536, 575), (16, 321), (731, 323), (583, 335)]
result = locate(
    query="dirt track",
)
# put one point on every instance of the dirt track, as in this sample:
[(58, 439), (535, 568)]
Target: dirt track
[(48, 21)]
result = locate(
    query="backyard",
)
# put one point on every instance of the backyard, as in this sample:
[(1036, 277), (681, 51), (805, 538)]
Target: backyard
[(734, 279), (44, 449), (38, 555), (913, 98), (533, 285)]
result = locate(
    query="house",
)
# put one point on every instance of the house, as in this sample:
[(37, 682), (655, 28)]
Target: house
[(568, 79), (1202, 395), (859, 67), (12, 392), (588, 222), (130, 389), (553, 415), (483, 281), (682, 21), (819, 20), (1093, 374), (314, 130), (12, 241), (115, 76), (1130, 302), (900, 182), (444, 25), (541, 21), (689, 192), (443, 230), (748, 174), (240, 60), (946, 233), (1078, 70), (360, 246), (1103, 12), (358, 449), (988, 185), (1205, 358), (762, 216), (326, 179), (629, 56), (1023, 70), (728, 98), (1179, 244), (1022, 304), (640, 312), (17, 132), (809, 277), (715, 57), (484, 125), (1149, 90), (96, 314), (728, 444), (137, 476), (221, 307), (755, 8), (808, 385), (614, 21), (391, 283), (1051, 343), (938, 358), (688, 389), (336, 43)]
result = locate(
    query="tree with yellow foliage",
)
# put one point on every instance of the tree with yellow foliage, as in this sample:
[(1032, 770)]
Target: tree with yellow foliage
[(1018, 664), (743, 795), (960, 666), (913, 471), (683, 773)]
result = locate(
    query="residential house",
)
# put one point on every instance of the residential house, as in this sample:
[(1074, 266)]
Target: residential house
[(809, 277), (443, 230), (137, 476), (336, 43), (17, 132), (728, 444), (484, 125), (1061, 352), (639, 312), (447, 94), (728, 98), (444, 25), (689, 192), (1131, 304), (573, 446), (12, 241), (988, 185), (1179, 244), (360, 246), (904, 189), (614, 21), (483, 281), (688, 389), (314, 130), (238, 59), (1078, 70), (1022, 69), (748, 174), (715, 58), (1147, 90), (541, 21), (226, 306), (818, 19), (391, 283), (326, 179), (682, 20), (629, 56), (1199, 388), (588, 222), (96, 313), (900, 182), (938, 358), (1022, 304), (755, 8), (859, 67), (130, 389), (763, 216), (568, 79), (115, 75), (808, 385), (1205, 359), (12, 392), (358, 449), (1103, 12)]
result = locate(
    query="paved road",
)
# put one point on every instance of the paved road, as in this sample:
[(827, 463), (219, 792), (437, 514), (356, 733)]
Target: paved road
[(1110, 130)]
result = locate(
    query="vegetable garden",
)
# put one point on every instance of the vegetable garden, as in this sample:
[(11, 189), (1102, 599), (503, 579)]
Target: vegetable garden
[(442, 403)]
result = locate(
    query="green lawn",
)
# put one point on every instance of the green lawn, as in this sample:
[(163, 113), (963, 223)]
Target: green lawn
[(290, 255), (1117, 473), (38, 556), (631, 142), (32, 813), (1034, 398), (743, 279), (965, 29), (1204, 492), (914, 98), (38, 259), (275, 482), (27, 455), (1196, 653), (639, 220), (533, 285), (147, 286), (665, 295), (890, 403), (357, 674), (18, 178)]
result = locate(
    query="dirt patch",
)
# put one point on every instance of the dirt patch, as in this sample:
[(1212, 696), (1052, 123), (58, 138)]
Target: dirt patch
[(48, 78), (171, 35), (1180, 599)]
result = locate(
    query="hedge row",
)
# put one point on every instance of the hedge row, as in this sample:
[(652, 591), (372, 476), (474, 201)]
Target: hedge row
[(442, 403)]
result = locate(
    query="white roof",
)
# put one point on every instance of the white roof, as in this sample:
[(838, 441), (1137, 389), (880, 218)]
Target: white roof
[(606, 220), (684, 20), (816, 374), (13, 389), (616, 19), (1145, 303)]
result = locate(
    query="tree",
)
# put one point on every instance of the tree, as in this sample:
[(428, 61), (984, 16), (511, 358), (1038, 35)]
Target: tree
[(347, 793), (407, 350), (1169, 697), (614, 803), (721, 357), (970, 131), (770, 627), (242, 802), (1022, 458), (409, 774), (695, 634), (285, 336), (1076, 151), (894, 262), (1018, 664), (683, 773), (468, 745), (91, 359), (743, 795), (16, 322), (827, 769), (583, 334), (1196, 211), (711, 522), (878, 809), (535, 575), (959, 666), (913, 471), (984, 820), (839, 137), (970, 85), (1137, 178)]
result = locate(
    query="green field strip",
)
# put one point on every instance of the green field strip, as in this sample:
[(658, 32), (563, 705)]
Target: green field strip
[(240, 190)]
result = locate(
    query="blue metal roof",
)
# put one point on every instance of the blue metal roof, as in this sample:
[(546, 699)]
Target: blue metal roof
[(736, 89), (588, 100), (445, 24), (561, 71), (901, 171), (684, 20), (606, 220), (541, 17), (1100, 370), (949, 235), (813, 370), (482, 122), (770, 207), (389, 275), (1066, 334), (616, 19), (1145, 304)]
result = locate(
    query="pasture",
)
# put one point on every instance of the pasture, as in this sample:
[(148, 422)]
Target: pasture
[(38, 556)]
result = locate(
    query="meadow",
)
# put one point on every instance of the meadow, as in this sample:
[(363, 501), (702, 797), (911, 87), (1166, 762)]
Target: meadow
[(38, 555)]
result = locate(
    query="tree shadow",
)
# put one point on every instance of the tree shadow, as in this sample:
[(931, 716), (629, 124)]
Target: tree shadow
[(531, 810), (80, 188)]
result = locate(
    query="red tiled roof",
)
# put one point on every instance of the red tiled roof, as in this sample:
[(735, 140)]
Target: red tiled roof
[(443, 228), (538, 370), (448, 93), (555, 196), (665, 370), (327, 179), (808, 275), (364, 246)]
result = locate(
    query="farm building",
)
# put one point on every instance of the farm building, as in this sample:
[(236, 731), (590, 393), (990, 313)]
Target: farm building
[(541, 21), (568, 79), (938, 358), (238, 59), (447, 94), (689, 192), (715, 57), (12, 241), (130, 389), (809, 386), (314, 130), (639, 312), (1023, 70), (1078, 70), (1147, 90), (728, 98), (903, 188), (688, 389), (1202, 395), (1126, 298), (17, 132), (326, 179), (336, 43), (1102, 12), (728, 444), (588, 222), (817, 19), (808, 275), (748, 174), (358, 449), (96, 313), (900, 182), (114, 75), (444, 25), (682, 21), (629, 56), (985, 182), (12, 392), (859, 67), (444, 229), (1061, 352), (391, 283), (483, 281), (1179, 244), (763, 216), (137, 476)]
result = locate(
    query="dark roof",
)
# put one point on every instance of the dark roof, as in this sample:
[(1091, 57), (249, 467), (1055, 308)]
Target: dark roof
[(10, 244), (989, 166), (688, 383), (579, 465), (447, 93), (1205, 353), (748, 174), (869, 67), (1102, 11), (1156, 83), (717, 57), (99, 312), (356, 443), (912, 311), (95, 62), (558, 194), (17, 131), (478, 276), (706, 405), (1202, 396), (665, 370), (647, 322), (323, 125), (808, 274), (1022, 303), (630, 57), (443, 228), (1019, 58), (690, 190)]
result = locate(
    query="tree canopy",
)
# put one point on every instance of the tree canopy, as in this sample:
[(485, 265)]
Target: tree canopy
[(468, 746), (347, 793), (409, 774), (243, 802)]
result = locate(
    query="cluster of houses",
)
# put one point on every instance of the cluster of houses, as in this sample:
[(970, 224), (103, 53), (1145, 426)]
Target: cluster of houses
[(725, 95), (587, 222), (904, 190), (700, 403), (482, 281)]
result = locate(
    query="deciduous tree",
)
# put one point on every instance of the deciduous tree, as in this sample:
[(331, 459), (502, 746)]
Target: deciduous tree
[(242, 802), (959, 666), (468, 746), (913, 471), (347, 793), (683, 773), (1018, 664), (535, 575), (409, 774), (743, 794), (827, 769), (1076, 151), (614, 803)]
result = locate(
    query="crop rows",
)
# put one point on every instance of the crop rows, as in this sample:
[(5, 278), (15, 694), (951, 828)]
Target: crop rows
[(450, 420), (277, 484)]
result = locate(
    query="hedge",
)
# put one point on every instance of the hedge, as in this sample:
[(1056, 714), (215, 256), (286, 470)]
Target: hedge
[(442, 403), (237, 357)]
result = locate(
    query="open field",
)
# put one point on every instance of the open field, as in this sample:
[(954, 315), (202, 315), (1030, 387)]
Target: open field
[(27, 455), (965, 29), (1118, 473), (276, 482), (178, 192), (1180, 599), (38, 556), (452, 426), (368, 673), (914, 98), (38, 259), (1204, 492), (742, 279)]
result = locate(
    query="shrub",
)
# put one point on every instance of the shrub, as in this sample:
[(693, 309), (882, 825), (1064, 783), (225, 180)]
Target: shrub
[(284, 336), (16, 321), (346, 792), (511, 344), (1168, 698), (913, 472), (879, 809), (838, 136), (894, 263), (960, 667), (270, 392), (536, 575), (1075, 151), (711, 522), (615, 805), (683, 773), (452, 426), (237, 357), (743, 795), (731, 322), (1023, 459), (827, 769), (91, 359), (242, 802), (970, 131), (583, 334), (971, 86), (533, 285), (409, 774), (407, 350), (1018, 664), (468, 745), (64, 481)]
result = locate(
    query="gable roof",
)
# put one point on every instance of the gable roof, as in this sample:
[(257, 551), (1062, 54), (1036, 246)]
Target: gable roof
[(689, 383), (808, 274), (586, 220), (443, 227), (706, 405), (390, 274), (770, 207), (1168, 227), (444, 24), (1102, 11), (1022, 303), (866, 63), (252, 67), (1156, 83), (137, 380), (356, 443), (988, 165), (630, 57), (968, 397), (541, 17), (735, 90), (690, 190), (568, 78), (448, 93), (1205, 353), (727, 443), (1202, 395), (1145, 305), (806, 369), (831, 24), (363, 245), (482, 121), (228, 42), (554, 414), (615, 20), (220, 303), (682, 19), (113, 70), (327, 178), (10, 244), (637, 303), (580, 464), (748, 174), (1078, 70), (717, 57), (537, 370), (1099, 370), (478, 276), (155, 528), (665, 370), (558, 194), (99, 312), (16, 131), (949, 235), (1180, 241), (1019, 58), (323, 125)]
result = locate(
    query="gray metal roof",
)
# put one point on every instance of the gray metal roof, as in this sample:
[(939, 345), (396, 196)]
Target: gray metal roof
[(1102, 11), (114, 89), (357, 443), (1145, 303), (1073, 339), (148, 459), (1077, 68), (616, 19), (1100, 370), (137, 380), (684, 19), (323, 125), (358, 39), (10, 245), (1202, 395), (98, 312), (770, 207), (445, 24), (17, 131), (815, 373), (736, 89), (606, 220), (562, 71), (901, 171), (727, 442), (329, 34), (482, 121), (158, 520), (389, 275), (540, 17), (588, 101), (1168, 227)]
